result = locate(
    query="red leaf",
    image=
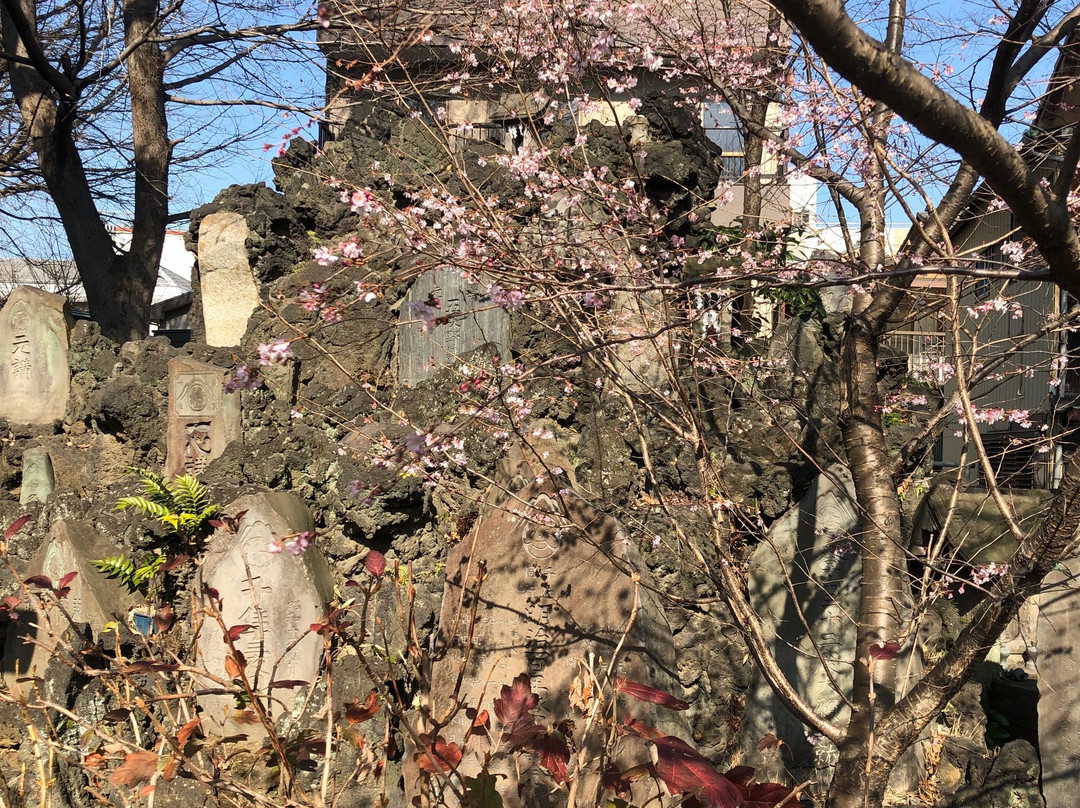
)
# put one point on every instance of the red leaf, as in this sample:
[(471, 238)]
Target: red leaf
[(481, 723), (10, 603), (740, 775), (138, 767), (172, 562), (612, 780), (649, 694), (375, 563), (169, 772), (513, 709), (246, 717), (355, 712), (62, 592), (16, 526), (641, 729), (553, 754), (287, 684), (40, 581), (236, 631), (67, 579), (185, 731), (769, 741), (233, 665), (446, 755), (163, 618), (684, 771), (768, 795), (119, 715), (890, 650)]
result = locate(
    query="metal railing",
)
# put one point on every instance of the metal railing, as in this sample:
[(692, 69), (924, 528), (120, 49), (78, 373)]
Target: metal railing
[(922, 348)]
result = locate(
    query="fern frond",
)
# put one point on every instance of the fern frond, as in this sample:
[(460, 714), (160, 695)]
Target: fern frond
[(182, 505), (116, 567), (207, 512), (127, 572), (156, 488), (189, 493), (144, 506), (144, 572)]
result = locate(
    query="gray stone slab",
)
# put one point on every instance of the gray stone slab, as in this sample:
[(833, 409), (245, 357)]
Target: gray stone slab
[(1059, 685), (94, 599), (556, 593), (812, 547), (37, 476), (203, 418), (279, 595), (227, 286), (640, 348), (34, 337), (471, 323)]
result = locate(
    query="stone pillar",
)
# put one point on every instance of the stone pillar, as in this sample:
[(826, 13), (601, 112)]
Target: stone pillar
[(203, 418), (470, 323), (37, 476), (34, 337), (557, 591), (278, 595), (814, 548), (92, 598), (1059, 685), (227, 286)]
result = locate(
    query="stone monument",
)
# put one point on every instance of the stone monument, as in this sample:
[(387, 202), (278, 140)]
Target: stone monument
[(34, 337), (812, 548), (92, 598), (203, 418), (37, 476), (227, 286), (1059, 685), (640, 341), (471, 323), (556, 594), (279, 595)]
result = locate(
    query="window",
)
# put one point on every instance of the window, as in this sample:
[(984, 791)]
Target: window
[(722, 128)]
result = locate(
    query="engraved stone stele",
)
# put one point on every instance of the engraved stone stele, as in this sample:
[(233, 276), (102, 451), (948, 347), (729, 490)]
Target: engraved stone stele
[(812, 549), (34, 337), (640, 341), (279, 595), (37, 476), (556, 593), (227, 286), (93, 598), (1059, 685), (203, 418), (472, 322)]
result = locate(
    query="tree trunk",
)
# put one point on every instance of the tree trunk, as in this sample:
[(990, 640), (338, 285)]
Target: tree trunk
[(118, 287), (134, 280)]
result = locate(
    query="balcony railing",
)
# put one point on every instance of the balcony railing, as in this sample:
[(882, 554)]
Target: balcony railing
[(924, 350)]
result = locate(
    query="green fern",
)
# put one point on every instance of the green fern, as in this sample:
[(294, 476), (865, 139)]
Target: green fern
[(145, 506), (124, 569), (190, 494), (182, 505)]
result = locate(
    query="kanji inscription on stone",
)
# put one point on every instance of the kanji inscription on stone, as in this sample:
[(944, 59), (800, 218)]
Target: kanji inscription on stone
[(34, 337), (278, 594), (463, 321)]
